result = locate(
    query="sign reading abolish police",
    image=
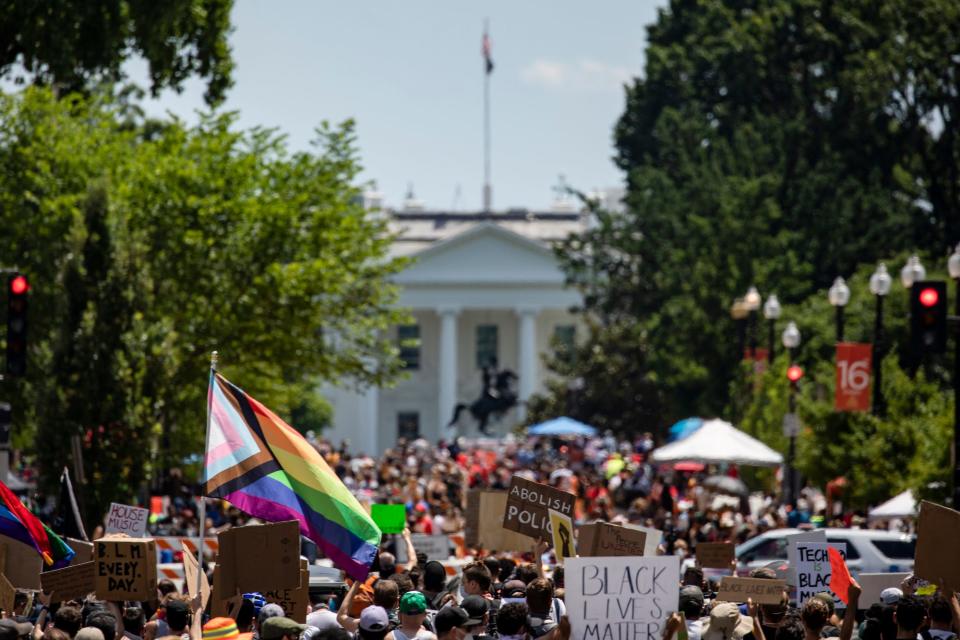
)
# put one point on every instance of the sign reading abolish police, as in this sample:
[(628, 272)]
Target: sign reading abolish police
[(623, 598), (529, 504)]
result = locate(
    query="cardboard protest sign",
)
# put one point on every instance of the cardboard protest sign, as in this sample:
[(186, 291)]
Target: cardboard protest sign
[(715, 555), (275, 546), (874, 583), (123, 518), (391, 518), (562, 527), (625, 597), (126, 568), (814, 570), (761, 591), (605, 539), (484, 526), (528, 505), (191, 574), (938, 556), (294, 601), (82, 549), (8, 596), (73, 582), (21, 564)]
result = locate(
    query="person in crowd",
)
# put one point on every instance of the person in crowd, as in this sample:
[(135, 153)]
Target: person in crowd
[(220, 629), (133, 622), (374, 624), (512, 621), (267, 611), (544, 611), (413, 612), (434, 584), (478, 608), (909, 616), (940, 615), (451, 623), (691, 605), (321, 618), (281, 628)]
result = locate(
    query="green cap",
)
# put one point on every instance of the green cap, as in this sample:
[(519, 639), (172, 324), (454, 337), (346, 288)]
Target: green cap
[(413, 602), (277, 627)]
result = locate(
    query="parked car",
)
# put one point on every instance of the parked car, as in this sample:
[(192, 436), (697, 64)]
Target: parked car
[(868, 550)]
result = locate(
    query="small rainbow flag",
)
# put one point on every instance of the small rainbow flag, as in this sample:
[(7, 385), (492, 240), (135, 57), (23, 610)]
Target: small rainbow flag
[(260, 464), (18, 523)]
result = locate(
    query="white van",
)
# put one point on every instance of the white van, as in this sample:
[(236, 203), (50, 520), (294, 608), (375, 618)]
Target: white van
[(868, 550)]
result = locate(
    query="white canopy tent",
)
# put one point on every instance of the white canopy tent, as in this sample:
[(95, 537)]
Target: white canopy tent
[(719, 442), (903, 505)]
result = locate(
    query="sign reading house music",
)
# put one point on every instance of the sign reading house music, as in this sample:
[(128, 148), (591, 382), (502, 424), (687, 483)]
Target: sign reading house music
[(529, 504)]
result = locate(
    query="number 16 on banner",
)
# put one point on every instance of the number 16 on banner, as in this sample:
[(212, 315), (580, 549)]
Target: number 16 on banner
[(854, 362)]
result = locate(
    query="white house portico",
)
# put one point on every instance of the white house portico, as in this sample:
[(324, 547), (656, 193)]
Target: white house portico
[(483, 295)]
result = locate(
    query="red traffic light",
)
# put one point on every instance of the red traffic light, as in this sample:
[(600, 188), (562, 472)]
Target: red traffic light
[(929, 297), (19, 285), (794, 373)]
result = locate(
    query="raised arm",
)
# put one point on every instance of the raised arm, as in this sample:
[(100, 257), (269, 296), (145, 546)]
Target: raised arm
[(343, 613), (850, 617), (411, 552)]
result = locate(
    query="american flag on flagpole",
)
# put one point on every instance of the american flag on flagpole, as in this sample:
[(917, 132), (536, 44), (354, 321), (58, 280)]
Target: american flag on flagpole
[(486, 53)]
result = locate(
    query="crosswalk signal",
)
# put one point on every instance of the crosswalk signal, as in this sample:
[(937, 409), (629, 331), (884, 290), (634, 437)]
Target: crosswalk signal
[(928, 317), (18, 288)]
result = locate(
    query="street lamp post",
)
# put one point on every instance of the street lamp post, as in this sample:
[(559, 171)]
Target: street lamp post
[(771, 311), (953, 266), (880, 283), (739, 312), (791, 340), (839, 296), (912, 272), (752, 302)]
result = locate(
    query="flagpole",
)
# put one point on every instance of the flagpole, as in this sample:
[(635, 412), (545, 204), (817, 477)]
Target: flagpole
[(487, 188), (214, 357)]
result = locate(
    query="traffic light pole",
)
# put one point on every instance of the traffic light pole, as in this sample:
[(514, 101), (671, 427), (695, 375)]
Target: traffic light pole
[(956, 399)]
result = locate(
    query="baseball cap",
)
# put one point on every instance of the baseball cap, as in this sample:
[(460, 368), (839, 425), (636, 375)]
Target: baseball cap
[(270, 610), (220, 629), (278, 626), (514, 591), (450, 617), (8, 630), (412, 603), (476, 607), (691, 596), (891, 595), (374, 618)]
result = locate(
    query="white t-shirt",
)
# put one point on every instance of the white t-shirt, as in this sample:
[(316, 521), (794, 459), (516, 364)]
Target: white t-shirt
[(694, 629), (422, 634)]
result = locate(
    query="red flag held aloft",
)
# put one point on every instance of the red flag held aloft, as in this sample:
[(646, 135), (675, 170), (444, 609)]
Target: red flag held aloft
[(840, 579)]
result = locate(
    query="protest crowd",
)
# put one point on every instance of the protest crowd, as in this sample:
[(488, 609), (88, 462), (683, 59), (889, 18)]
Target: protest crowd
[(514, 592)]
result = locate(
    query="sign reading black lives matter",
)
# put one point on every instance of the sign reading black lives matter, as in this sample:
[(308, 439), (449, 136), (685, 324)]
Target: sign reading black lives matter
[(529, 504), (622, 598)]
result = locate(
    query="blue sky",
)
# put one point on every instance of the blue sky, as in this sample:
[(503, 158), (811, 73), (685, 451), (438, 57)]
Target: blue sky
[(410, 74)]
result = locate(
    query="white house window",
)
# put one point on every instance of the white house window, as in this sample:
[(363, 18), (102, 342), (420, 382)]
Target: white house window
[(564, 340), (408, 340), (408, 425), (487, 339)]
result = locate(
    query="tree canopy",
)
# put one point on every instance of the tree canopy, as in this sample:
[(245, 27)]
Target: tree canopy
[(76, 44), (769, 143), (151, 244)]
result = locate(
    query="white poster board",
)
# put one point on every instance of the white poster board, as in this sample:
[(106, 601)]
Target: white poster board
[(654, 538), (792, 540), (437, 547), (126, 519), (621, 597), (813, 570)]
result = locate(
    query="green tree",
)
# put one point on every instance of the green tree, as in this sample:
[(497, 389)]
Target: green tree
[(150, 245), (771, 143), (74, 45)]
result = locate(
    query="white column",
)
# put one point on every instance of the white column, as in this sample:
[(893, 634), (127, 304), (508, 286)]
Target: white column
[(371, 422), (447, 374), (527, 352)]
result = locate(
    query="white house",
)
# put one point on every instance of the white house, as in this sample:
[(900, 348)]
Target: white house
[(481, 287)]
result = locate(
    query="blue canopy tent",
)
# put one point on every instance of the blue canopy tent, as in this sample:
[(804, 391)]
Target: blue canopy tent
[(684, 428), (562, 426)]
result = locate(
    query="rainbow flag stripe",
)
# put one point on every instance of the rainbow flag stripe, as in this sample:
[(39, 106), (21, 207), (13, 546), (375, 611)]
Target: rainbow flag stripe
[(263, 466), (18, 523)]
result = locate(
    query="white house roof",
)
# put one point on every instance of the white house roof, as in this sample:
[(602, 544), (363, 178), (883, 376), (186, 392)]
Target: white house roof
[(487, 266)]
